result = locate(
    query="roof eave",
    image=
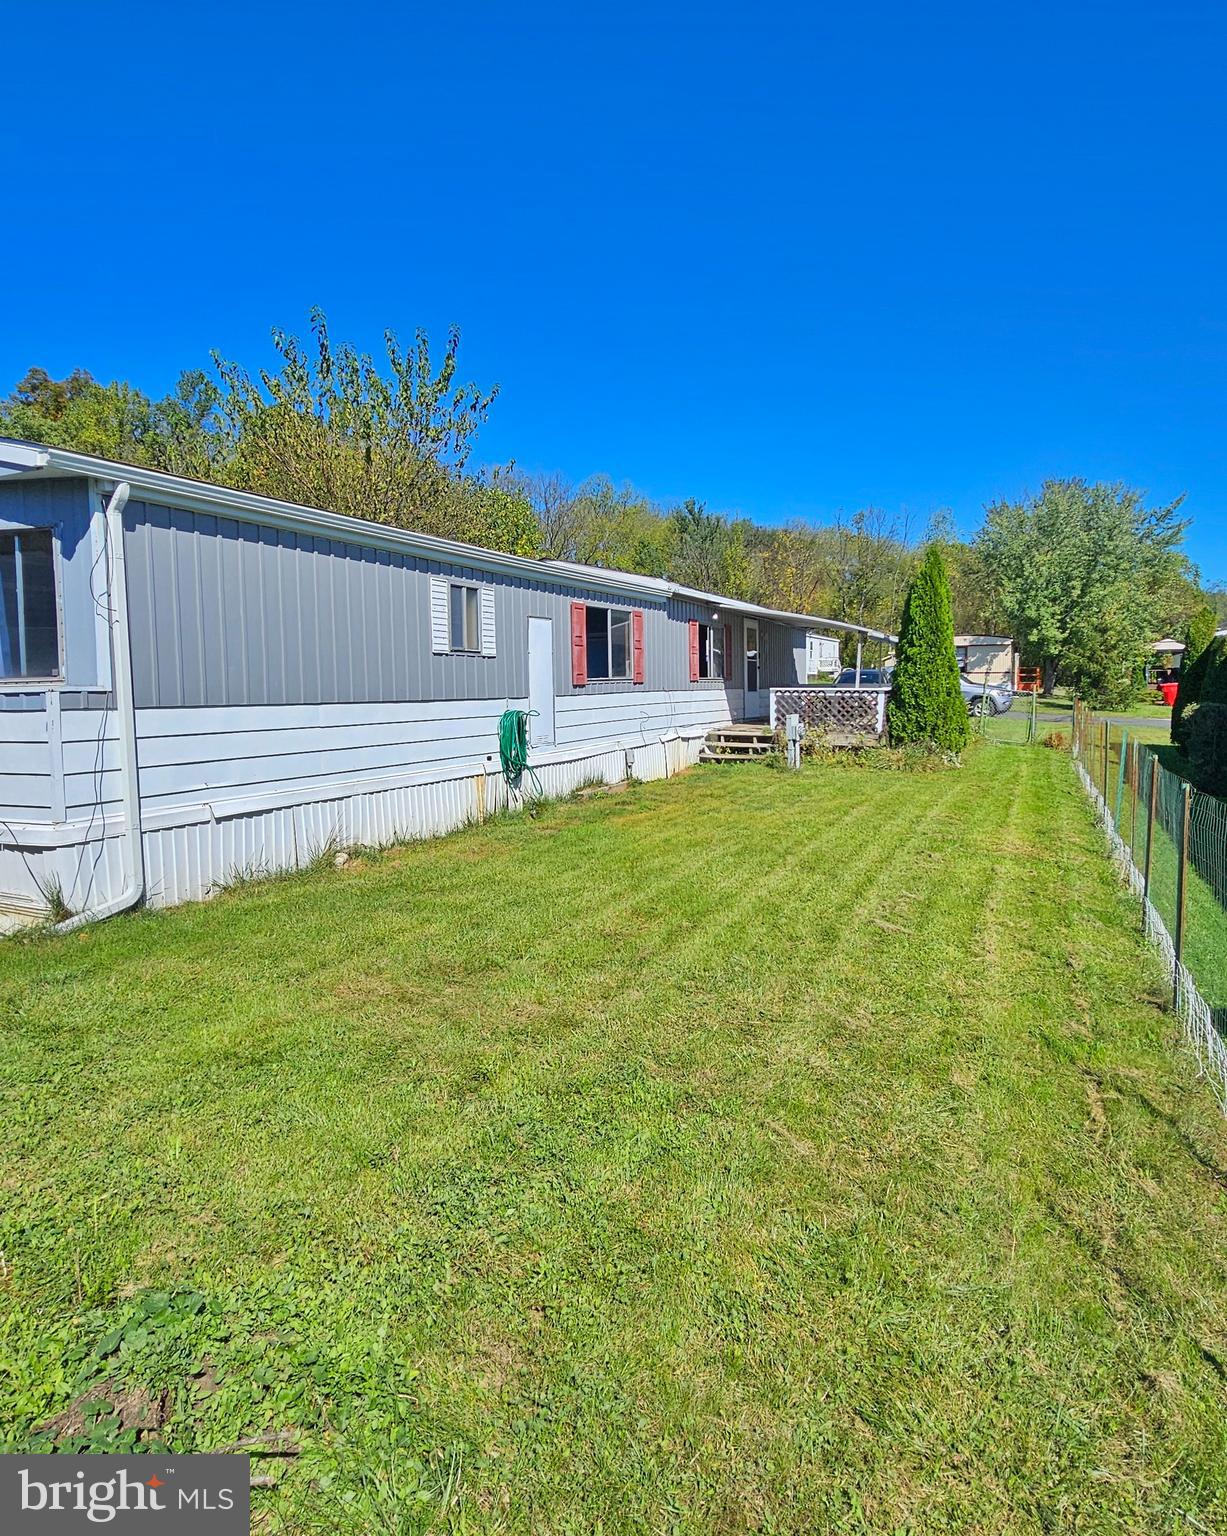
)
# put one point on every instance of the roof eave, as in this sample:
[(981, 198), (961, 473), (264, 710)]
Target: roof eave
[(18, 458), (802, 620), (33, 461)]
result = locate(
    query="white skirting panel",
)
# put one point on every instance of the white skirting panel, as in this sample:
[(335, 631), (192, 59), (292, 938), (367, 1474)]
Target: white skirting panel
[(209, 828)]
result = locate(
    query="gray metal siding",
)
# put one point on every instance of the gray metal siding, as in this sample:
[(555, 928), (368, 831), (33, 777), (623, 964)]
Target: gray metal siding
[(225, 612)]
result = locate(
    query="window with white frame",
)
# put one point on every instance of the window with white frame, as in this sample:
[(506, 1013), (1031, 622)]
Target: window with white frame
[(465, 618), (608, 635), (29, 616), (461, 616)]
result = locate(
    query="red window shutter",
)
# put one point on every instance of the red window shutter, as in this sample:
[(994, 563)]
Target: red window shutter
[(728, 652), (637, 645), (694, 650), (579, 644)]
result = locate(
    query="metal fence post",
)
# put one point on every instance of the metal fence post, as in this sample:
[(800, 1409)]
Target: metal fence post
[(1133, 815), (1120, 777), (1107, 729), (1150, 831), (1180, 891)]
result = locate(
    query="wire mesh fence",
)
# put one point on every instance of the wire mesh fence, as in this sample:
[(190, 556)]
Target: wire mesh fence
[(1170, 840)]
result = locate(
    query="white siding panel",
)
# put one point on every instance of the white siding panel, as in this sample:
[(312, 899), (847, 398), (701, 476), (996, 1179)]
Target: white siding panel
[(599, 717), (25, 757), (92, 756), (87, 725), (25, 765), (211, 816), (209, 721), (87, 874), (87, 792), (23, 793), (22, 725), (218, 746)]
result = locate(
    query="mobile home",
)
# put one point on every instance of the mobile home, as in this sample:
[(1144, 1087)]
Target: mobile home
[(197, 682), (988, 659), (821, 655)]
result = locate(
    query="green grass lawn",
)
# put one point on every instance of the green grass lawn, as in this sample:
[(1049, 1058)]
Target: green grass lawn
[(748, 1152), (1152, 706), (1012, 728)]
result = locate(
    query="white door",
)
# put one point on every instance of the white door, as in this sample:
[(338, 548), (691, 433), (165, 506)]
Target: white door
[(756, 700), (541, 682)]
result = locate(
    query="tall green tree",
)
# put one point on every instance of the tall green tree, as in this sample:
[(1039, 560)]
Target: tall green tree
[(708, 551), (1198, 634), (971, 594), (113, 421), (618, 527), (926, 701), (1083, 575)]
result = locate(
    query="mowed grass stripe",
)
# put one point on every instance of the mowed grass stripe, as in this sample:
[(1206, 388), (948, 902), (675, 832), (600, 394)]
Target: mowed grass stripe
[(748, 1151)]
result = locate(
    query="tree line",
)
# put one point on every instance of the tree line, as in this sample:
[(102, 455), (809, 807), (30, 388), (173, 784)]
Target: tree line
[(1084, 576)]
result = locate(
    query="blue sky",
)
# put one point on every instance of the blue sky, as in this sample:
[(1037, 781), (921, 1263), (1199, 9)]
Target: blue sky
[(786, 259)]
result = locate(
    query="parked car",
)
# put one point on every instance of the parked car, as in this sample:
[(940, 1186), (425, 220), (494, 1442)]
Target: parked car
[(981, 698), (871, 677)]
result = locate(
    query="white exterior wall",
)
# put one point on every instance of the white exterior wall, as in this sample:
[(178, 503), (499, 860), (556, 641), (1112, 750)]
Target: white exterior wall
[(233, 791)]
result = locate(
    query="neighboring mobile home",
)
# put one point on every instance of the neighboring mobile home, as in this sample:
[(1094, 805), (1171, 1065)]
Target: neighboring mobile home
[(821, 656), (988, 659), (197, 682)]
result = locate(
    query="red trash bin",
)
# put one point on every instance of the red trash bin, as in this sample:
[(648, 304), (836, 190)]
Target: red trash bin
[(1168, 690)]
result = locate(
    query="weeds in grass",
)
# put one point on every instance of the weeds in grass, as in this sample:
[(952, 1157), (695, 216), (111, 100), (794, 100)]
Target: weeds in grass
[(324, 855), (914, 757), (51, 889), (240, 876), (587, 786)]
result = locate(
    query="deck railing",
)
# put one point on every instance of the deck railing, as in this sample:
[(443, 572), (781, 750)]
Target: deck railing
[(832, 709)]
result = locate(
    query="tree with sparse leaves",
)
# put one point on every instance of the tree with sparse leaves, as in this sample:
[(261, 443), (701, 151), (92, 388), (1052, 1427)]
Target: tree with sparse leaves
[(331, 428), (926, 702)]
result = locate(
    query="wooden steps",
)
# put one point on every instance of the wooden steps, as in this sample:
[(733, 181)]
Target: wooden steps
[(737, 744)]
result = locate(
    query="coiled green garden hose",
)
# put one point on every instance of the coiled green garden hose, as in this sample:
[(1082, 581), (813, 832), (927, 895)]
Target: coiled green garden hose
[(513, 748)]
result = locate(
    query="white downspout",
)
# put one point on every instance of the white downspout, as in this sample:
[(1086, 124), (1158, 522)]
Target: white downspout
[(125, 710)]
